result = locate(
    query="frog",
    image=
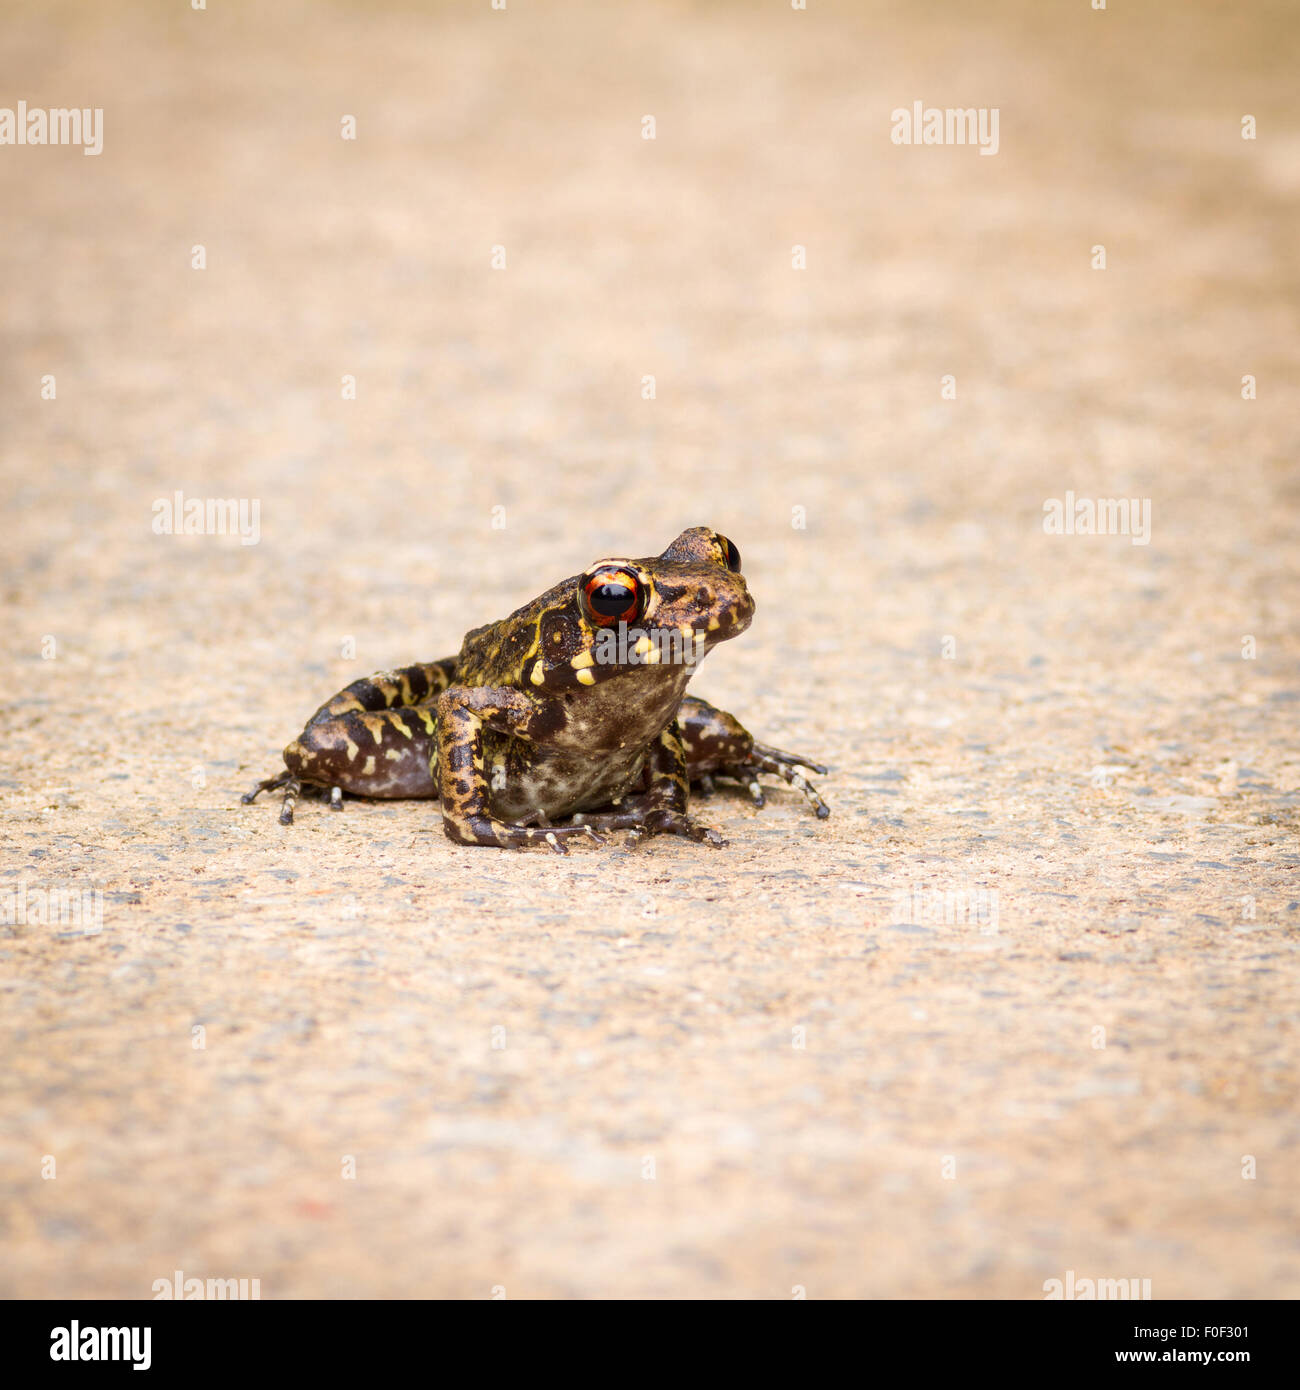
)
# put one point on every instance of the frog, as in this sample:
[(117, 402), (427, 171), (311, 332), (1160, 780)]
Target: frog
[(567, 720)]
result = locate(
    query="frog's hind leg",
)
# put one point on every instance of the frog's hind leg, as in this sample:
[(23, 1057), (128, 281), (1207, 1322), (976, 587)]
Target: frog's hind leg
[(717, 744), (401, 689), (785, 766), (292, 791), (380, 753), (372, 739)]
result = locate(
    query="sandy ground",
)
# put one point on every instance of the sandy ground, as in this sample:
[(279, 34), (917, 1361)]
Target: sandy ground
[(795, 1062)]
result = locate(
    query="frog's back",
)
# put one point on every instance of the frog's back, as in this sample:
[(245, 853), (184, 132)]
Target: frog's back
[(499, 653)]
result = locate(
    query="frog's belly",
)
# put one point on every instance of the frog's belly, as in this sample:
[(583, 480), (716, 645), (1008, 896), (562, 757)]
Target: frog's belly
[(563, 783)]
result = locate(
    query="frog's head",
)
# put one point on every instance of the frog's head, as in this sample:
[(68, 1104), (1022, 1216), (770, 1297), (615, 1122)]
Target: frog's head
[(657, 616)]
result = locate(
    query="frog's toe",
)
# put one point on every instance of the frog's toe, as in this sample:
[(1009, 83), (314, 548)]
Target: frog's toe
[(640, 824), (789, 772), (556, 835), (267, 784), (487, 830), (763, 752), (754, 787), (678, 823), (291, 789), (786, 767)]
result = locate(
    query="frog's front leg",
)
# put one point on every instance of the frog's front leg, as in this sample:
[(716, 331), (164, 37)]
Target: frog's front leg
[(717, 742), (458, 767), (659, 809)]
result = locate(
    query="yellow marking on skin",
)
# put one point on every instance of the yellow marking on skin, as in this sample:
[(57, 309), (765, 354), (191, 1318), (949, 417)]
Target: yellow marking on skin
[(652, 595), (370, 766), (714, 624), (400, 727), (353, 751), (534, 647), (652, 658), (406, 690), (376, 727), (538, 673), (586, 677), (427, 720), (393, 755), (581, 660), (643, 645)]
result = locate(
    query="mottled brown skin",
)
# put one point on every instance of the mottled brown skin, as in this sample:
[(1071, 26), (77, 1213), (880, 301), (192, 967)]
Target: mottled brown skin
[(542, 717)]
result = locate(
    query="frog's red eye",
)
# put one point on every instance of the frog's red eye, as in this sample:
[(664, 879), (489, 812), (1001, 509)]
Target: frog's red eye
[(731, 554), (611, 596)]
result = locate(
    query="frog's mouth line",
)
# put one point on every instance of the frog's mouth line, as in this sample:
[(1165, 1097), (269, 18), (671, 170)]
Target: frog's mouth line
[(650, 646)]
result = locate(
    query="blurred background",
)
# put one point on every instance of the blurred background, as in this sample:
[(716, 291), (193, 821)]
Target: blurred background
[(498, 262)]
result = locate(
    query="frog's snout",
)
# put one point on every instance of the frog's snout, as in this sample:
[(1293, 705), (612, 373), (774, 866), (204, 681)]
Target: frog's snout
[(742, 614), (720, 608)]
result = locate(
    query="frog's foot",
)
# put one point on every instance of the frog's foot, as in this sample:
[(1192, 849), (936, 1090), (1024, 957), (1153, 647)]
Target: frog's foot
[(293, 789), (661, 808), (717, 743), (487, 830), (775, 755), (267, 784), (642, 822), (783, 765)]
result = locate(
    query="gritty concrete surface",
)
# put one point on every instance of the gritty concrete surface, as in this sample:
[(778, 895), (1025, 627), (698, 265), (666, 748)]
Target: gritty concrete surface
[(583, 1077)]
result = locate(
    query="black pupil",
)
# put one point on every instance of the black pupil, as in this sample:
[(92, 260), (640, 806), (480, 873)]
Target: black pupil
[(611, 600), (733, 555)]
